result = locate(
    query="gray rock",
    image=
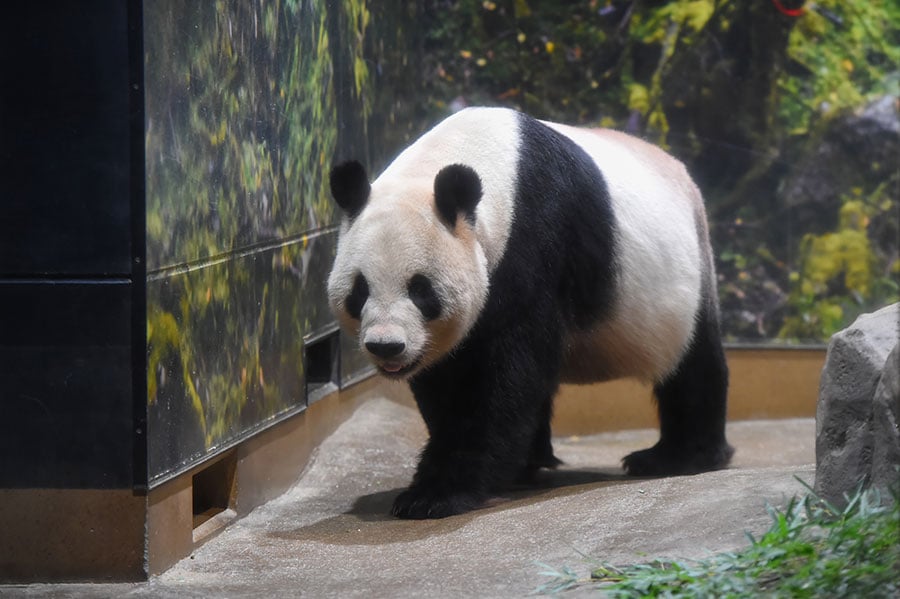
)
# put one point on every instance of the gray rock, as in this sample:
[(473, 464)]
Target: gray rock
[(885, 430), (845, 426)]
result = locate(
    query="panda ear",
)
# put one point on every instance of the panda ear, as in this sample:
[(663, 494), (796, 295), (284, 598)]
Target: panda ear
[(350, 187), (457, 188)]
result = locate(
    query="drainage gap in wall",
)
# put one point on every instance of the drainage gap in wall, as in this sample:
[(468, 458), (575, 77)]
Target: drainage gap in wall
[(321, 361), (213, 490)]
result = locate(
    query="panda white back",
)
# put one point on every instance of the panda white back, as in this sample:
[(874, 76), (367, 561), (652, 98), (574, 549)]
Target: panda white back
[(658, 214)]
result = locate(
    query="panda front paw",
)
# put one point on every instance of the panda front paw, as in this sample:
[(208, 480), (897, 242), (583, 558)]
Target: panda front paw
[(420, 504)]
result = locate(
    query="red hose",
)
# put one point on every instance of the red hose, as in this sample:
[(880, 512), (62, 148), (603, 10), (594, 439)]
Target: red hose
[(791, 12)]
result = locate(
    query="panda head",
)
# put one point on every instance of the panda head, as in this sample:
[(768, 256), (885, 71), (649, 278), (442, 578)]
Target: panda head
[(409, 277)]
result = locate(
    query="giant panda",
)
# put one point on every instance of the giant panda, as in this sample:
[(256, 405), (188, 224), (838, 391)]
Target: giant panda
[(499, 255)]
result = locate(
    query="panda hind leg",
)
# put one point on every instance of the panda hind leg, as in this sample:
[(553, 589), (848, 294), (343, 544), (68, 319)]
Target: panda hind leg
[(692, 410), (541, 453)]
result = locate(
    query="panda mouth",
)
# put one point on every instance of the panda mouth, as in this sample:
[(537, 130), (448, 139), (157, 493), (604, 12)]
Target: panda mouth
[(396, 370)]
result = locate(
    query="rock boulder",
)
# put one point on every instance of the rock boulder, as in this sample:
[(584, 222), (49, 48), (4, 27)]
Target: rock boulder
[(885, 420), (857, 438)]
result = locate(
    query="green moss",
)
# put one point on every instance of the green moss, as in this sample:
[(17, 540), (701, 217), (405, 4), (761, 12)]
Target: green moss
[(845, 253), (653, 26), (638, 98)]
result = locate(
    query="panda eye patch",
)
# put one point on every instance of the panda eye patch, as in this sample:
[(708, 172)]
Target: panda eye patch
[(423, 295), (357, 298)]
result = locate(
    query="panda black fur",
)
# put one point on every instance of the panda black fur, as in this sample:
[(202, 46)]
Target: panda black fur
[(499, 255)]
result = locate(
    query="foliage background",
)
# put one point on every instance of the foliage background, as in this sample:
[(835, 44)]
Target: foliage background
[(789, 124)]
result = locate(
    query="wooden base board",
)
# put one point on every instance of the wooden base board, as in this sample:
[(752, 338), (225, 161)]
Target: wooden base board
[(50, 535), (765, 383)]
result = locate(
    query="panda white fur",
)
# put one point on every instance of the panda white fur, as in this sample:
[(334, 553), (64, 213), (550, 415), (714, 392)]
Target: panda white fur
[(499, 255)]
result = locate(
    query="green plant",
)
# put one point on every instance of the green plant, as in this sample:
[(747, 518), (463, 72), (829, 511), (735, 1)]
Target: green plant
[(840, 275), (812, 549), (839, 63)]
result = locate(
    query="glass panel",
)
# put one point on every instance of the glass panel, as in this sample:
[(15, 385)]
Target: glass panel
[(242, 124), (225, 347)]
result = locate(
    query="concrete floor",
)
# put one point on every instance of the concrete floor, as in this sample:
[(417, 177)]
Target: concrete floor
[(331, 535)]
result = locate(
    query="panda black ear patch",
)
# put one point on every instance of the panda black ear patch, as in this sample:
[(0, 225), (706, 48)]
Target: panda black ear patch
[(350, 187), (457, 188)]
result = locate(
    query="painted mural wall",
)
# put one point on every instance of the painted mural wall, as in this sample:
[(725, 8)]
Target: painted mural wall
[(242, 124)]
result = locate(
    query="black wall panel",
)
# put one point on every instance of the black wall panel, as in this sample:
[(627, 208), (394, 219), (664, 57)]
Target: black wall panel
[(71, 277), (65, 385), (64, 139)]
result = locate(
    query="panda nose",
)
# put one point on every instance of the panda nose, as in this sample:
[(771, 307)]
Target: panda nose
[(385, 350)]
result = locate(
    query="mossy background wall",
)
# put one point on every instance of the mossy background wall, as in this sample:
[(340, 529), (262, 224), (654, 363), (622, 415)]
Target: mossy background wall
[(789, 123), (241, 128)]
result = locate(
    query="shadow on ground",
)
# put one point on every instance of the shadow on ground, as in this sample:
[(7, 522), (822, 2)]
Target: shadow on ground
[(369, 521)]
